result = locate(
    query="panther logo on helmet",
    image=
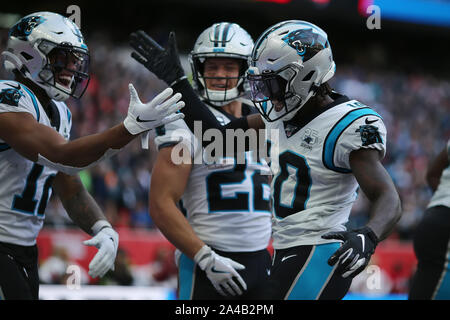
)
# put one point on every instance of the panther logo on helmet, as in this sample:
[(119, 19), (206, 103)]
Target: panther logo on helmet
[(11, 96), (305, 41), (24, 27)]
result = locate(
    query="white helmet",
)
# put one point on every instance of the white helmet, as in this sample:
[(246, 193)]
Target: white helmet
[(225, 40), (41, 46), (289, 62)]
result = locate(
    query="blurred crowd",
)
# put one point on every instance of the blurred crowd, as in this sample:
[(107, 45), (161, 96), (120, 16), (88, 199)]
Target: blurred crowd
[(415, 109)]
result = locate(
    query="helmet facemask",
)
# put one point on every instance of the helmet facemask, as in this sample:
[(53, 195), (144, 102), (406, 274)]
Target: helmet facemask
[(274, 87), (66, 70)]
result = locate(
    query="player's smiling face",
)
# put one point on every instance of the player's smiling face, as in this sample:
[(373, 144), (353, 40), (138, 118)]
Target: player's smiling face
[(221, 73), (65, 64)]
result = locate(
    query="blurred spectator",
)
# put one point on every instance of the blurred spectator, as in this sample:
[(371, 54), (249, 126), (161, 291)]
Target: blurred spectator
[(140, 217), (55, 269), (164, 267)]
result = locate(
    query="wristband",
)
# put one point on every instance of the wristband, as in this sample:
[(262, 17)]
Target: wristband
[(99, 225)]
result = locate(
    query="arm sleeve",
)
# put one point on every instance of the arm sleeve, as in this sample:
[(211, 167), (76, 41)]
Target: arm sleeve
[(196, 110), (360, 135)]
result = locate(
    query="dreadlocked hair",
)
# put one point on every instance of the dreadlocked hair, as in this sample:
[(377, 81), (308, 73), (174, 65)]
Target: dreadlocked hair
[(324, 90)]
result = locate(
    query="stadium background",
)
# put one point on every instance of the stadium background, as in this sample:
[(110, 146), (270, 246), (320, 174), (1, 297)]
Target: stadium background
[(401, 70)]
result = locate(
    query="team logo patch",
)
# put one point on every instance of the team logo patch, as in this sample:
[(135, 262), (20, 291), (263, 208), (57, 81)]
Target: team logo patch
[(24, 27), (369, 135), (310, 138), (11, 96)]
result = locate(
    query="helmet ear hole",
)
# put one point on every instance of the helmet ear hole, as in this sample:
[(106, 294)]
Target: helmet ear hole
[(26, 56), (308, 76)]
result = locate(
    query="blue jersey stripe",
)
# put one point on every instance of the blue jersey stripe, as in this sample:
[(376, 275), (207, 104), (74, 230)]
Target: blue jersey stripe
[(69, 115), (329, 145), (315, 274), (35, 104), (186, 273)]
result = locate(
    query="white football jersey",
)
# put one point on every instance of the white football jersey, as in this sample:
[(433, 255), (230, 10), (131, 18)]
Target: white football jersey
[(25, 186), (441, 197), (226, 203), (313, 187)]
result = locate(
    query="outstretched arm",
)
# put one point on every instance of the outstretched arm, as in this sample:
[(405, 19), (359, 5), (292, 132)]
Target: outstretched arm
[(42, 144), (32, 139), (196, 110)]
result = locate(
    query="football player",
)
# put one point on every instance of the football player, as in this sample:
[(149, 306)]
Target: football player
[(50, 61), (432, 236), (224, 229), (328, 145)]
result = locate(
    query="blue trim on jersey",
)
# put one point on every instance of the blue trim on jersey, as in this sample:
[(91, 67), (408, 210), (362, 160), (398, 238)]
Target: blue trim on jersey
[(329, 145), (186, 275), (264, 106), (315, 274), (35, 104), (262, 190), (69, 115)]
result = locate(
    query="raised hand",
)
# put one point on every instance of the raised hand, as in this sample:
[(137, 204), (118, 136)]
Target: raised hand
[(164, 63)]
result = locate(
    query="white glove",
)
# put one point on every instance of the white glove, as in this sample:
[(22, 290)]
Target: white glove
[(106, 241), (161, 110), (220, 271)]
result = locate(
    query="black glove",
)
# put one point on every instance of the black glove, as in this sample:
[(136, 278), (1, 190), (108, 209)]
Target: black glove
[(354, 254), (164, 63)]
